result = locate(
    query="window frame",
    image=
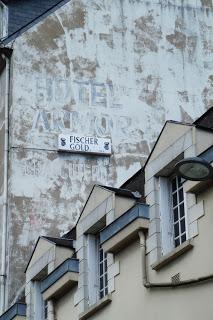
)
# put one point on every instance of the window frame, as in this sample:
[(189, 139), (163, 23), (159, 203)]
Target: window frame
[(94, 274), (103, 274), (167, 214), (39, 303), (177, 206)]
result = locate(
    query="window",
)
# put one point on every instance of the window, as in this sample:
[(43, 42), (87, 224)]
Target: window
[(45, 310), (3, 20), (179, 218), (172, 213), (97, 269), (103, 280)]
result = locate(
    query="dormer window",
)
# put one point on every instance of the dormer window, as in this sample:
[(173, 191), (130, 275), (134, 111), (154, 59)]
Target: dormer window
[(172, 213), (103, 279), (178, 209), (3, 20)]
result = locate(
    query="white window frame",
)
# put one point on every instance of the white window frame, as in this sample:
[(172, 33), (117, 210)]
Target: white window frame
[(167, 215), (40, 305), (177, 208), (103, 272), (3, 20), (38, 301)]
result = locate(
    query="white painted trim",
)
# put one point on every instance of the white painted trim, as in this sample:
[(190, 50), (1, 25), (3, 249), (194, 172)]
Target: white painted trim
[(4, 22), (92, 259), (38, 302), (166, 215), (186, 215)]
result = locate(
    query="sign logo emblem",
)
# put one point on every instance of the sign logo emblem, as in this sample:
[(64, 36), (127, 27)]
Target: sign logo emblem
[(63, 142), (106, 145)]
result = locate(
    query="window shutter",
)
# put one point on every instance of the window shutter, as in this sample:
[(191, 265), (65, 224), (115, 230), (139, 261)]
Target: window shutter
[(165, 199)]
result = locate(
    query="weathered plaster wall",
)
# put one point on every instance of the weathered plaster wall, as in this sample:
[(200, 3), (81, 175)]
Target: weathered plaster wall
[(109, 68), (2, 136)]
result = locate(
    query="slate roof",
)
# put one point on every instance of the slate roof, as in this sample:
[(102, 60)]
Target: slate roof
[(23, 14), (206, 120)]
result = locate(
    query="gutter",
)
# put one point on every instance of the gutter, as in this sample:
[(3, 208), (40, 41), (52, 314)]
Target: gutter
[(145, 278), (5, 193)]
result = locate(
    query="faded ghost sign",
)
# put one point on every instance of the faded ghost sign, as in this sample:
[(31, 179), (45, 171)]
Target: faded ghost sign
[(95, 103)]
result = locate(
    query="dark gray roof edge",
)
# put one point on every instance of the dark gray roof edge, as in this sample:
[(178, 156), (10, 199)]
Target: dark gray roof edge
[(18, 309), (63, 242), (203, 116), (122, 192), (139, 210), (70, 264), (29, 25), (132, 177)]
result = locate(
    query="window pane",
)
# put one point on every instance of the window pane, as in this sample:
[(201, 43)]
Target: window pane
[(183, 238), (179, 182), (101, 268), (174, 185), (175, 214), (101, 254), (181, 195), (182, 212), (101, 282), (176, 227), (177, 242), (182, 225), (105, 265), (174, 197)]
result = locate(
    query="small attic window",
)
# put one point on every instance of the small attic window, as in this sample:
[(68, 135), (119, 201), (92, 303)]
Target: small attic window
[(3, 20)]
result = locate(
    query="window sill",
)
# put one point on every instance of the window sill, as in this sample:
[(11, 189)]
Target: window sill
[(96, 307), (184, 247)]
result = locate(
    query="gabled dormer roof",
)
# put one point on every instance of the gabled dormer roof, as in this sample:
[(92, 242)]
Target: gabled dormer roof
[(168, 135), (99, 193), (44, 243)]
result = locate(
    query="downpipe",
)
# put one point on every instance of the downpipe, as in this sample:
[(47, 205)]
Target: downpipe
[(5, 193), (145, 278)]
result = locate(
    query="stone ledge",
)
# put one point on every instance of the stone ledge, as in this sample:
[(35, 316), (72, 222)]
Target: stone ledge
[(96, 307), (184, 247), (124, 237)]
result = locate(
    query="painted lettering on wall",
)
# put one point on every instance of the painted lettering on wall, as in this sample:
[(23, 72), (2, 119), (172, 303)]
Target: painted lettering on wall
[(96, 171), (102, 125), (88, 93)]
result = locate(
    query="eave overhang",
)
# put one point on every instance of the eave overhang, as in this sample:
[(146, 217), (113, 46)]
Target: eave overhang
[(61, 280), (125, 228)]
